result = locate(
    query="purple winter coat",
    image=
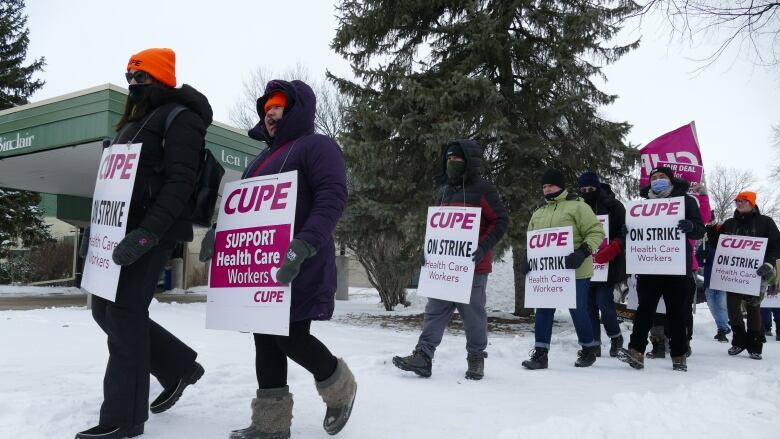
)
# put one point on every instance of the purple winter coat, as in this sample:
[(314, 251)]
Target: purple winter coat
[(322, 193)]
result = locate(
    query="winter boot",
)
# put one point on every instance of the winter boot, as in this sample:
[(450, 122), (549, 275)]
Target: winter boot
[(338, 392), (680, 363), (659, 346), (739, 342), (476, 366), (755, 344), (271, 415), (721, 336), (633, 357), (108, 432), (587, 356), (538, 359), (615, 343), (168, 397), (419, 362)]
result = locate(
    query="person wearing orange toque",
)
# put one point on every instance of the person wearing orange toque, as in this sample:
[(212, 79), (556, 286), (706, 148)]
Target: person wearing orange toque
[(157, 221), (748, 221)]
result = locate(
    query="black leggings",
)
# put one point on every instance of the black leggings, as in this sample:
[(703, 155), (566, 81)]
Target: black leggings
[(272, 351)]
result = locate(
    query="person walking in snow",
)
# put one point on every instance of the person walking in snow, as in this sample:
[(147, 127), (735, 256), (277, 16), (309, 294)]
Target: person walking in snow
[(165, 179), (748, 221), (716, 299), (462, 186), (287, 125), (602, 201), (675, 289), (567, 209)]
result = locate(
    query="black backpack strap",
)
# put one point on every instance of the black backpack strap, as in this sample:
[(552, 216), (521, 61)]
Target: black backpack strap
[(175, 111)]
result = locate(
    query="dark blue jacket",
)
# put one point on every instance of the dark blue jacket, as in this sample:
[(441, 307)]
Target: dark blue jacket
[(322, 193)]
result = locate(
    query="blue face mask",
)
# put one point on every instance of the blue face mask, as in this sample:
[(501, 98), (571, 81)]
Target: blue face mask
[(659, 185)]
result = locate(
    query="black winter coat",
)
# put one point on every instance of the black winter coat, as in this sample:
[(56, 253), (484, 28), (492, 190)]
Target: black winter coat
[(166, 176), (607, 204), (680, 189), (757, 225), (473, 191)]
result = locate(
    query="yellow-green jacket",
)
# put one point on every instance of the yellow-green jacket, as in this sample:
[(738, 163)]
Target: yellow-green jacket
[(565, 210)]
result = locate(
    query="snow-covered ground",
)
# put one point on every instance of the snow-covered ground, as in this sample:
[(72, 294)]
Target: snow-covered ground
[(52, 363)]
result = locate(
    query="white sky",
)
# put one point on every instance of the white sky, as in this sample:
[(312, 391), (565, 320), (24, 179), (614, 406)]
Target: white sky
[(88, 42)]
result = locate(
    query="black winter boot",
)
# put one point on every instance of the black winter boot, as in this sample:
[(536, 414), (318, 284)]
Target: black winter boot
[(739, 342), (587, 356), (338, 392), (476, 366), (109, 432), (755, 344), (419, 362), (659, 347), (168, 397), (538, 359), (271, 415), (721, 336), (615, 343)]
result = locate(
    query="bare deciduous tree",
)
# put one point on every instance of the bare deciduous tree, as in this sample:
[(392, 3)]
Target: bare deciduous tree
[(723, 184), (330, 103), (753, 25)]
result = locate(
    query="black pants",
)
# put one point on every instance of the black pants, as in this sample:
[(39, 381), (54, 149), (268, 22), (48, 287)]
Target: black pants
[(675, 291), (300, 346), (137, 346), (734, 304)]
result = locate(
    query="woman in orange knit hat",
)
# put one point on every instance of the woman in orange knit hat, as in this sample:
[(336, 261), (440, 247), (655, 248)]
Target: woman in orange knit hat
[(157, 222), (748, 221)]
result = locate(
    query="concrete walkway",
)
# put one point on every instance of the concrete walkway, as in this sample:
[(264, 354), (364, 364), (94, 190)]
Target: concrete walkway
[(68, 300)]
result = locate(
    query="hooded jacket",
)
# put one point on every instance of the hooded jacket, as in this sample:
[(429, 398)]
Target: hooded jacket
[(680, 189), (570, 210), (753, 224), (471, 190), (322, 193), (167, 173), (607, 204)]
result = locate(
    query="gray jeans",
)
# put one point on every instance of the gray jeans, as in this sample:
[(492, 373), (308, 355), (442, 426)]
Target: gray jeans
[(439, 312)]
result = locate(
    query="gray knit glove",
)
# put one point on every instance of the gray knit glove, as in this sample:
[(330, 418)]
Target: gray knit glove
[(207, 245), (298, 251)]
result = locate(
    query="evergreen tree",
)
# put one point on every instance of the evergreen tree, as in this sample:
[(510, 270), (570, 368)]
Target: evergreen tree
[(20, 218), (16, 83), (514, 75)]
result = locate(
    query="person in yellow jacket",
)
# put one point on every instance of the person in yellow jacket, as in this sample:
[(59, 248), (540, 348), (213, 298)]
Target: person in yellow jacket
[(567, 209)]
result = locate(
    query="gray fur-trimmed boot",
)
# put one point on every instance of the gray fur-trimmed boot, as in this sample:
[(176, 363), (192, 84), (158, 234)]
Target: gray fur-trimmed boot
[(338, 392), (271, 415)]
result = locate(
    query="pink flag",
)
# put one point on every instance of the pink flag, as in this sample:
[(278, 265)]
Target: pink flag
[(679, 150)]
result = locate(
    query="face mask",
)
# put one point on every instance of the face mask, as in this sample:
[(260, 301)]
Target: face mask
[(590, 196), (552, 196), (136, 91), (455, 169), (659, 186)]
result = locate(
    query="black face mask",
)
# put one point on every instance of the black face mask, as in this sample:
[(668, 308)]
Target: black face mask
[(553, 195), (455, 169), (590, 197), (137, 91)]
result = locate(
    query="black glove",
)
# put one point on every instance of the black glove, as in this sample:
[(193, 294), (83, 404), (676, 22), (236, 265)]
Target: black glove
[(685, 225), (765, 270), (576, 258), (134, 245), (526, 267), (84, 247), (297, 252), (624, 232), (207, 245), (478, 255)]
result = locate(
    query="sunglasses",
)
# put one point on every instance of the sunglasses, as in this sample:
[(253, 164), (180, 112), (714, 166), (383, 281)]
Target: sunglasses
[(138, 75), (587, 189)]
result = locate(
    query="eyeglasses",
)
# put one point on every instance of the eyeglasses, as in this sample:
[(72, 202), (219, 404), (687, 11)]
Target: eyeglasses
[(139, 76), (587, 189)]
